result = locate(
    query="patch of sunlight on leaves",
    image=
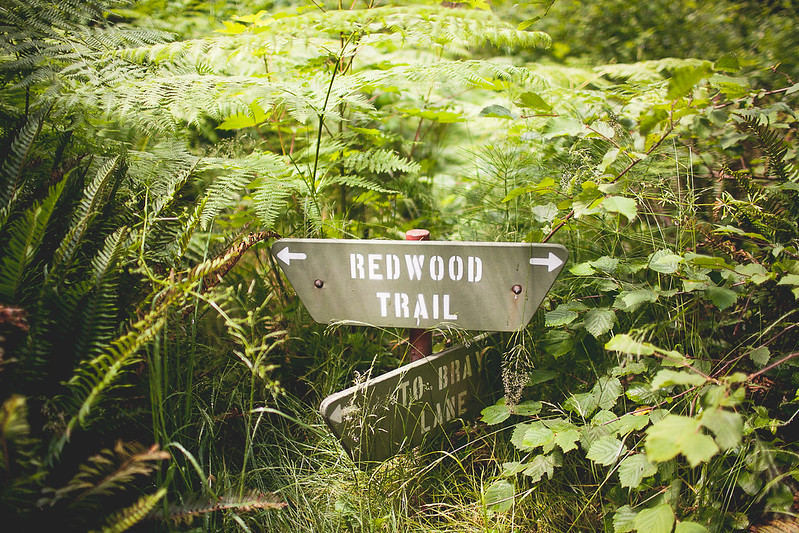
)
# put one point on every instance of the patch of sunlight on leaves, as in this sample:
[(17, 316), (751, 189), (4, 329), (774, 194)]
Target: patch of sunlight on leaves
[(666, 378), (626, 344), (623, 206)]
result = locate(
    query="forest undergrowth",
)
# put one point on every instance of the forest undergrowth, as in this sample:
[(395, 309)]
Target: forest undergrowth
[(158, 372)]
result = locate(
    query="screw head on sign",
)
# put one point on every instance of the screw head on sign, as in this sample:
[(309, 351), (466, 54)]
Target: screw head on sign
[(318, 283), (516, 289)]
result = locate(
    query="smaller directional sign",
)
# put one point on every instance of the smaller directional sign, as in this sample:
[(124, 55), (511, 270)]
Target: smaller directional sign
[(380, 417), (421, 284)]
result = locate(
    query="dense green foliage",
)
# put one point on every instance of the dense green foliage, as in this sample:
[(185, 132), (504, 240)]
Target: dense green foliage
[(157, 371)]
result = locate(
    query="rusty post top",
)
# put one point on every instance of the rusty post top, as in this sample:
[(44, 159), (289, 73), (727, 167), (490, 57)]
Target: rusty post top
[(417, 235)]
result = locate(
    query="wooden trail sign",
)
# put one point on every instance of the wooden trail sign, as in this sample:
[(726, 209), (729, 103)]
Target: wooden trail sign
[(382, 416), (421, 284)]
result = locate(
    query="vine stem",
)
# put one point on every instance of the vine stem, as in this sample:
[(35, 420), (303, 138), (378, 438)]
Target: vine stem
[(618, 176), (772, 365)]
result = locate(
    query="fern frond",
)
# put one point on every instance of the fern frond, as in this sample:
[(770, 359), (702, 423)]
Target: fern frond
[(15, 156), (107, 472), (24, 237), (379, 161), (98, 312), (130, 516), (97, 376), (775, 149), (94, 196), (235, 175), (200, 505), (270, 196)]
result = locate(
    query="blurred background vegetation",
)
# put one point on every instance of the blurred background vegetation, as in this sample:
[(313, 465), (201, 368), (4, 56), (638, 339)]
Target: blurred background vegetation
[(157, 372)]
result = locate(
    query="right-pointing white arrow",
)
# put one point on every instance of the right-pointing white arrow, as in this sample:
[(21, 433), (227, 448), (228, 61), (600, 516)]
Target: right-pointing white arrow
[(286, 256), (551, 262)]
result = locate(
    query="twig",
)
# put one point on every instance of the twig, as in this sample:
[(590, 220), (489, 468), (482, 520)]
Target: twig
[(772, 365)]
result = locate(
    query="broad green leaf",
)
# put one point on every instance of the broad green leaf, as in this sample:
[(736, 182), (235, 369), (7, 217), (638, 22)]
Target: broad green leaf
[(676, 434), (665, 262), (537, 436), (760, 356), (658, 519), (640, 393), (606, 264), (634, 468), (496, 111), (651, 119), (540, 465), (691, 527), (606, 451), (583, 269), (558, 343), (623, 519), (727, 426), (563, 126), (495, 414), (629, 301), (544, 213), (608, 159), (666, 378), (583, 404), (621, 205), (607, 390), (543, 186), (630, 422), (533, 101), (599, 321), (789, 279), (566, 439), (721, 297), (727, 63), (512, 468), (625, 344), (559, 317), (540, 376), (499, 496), (529, 408), (603, 417), (517, 437), (683, 79), (751, 269), (628, 368)]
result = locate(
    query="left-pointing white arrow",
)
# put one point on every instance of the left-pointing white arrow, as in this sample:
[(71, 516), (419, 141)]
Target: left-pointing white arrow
[(286, 256), (551, 262)]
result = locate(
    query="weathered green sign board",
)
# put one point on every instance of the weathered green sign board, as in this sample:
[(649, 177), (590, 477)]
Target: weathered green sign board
[(380, 417), (421, 284)]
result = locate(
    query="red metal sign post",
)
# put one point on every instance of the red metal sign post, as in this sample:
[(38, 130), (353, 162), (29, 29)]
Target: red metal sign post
[(421, 341)]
